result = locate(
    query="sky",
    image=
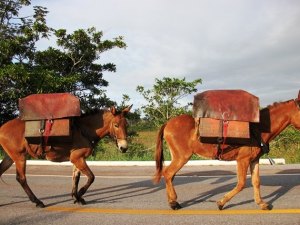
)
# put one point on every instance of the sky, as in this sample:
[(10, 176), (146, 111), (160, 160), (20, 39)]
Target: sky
[(252, 45)]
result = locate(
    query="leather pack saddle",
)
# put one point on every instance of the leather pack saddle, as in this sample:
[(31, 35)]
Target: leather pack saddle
[(223, 116), (48, 118)]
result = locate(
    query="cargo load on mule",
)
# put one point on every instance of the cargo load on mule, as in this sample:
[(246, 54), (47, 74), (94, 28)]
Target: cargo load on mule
[(223, 117), (48, 117)]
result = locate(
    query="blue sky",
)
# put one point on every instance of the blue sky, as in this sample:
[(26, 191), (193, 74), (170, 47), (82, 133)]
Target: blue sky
[(229, 44)]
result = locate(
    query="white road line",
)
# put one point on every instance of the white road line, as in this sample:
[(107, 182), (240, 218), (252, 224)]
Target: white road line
[(279, 161)]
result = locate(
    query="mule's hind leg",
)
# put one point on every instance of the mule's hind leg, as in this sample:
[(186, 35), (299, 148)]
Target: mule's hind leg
[(21, 178), (254, 168), (169, 173), (82, 167), (5, 164), (242, 167)]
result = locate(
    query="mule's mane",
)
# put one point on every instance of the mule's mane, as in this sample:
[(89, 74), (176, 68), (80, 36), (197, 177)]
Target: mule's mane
[(275, 104)]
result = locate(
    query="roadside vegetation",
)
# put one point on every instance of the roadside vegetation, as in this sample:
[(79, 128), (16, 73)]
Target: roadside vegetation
[(142, 148), (286, 145)]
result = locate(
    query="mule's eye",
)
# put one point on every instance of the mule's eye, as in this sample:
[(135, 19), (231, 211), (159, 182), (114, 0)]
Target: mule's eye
[(116, 125)]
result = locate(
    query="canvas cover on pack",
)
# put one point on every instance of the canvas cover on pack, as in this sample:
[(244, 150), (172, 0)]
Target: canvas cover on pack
[(48, 116), (224, 115)]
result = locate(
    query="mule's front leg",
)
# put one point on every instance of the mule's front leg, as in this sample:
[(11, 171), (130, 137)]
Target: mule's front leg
[(254, 168), (90, 180), (76, 178), (241, 175), (81, 166)]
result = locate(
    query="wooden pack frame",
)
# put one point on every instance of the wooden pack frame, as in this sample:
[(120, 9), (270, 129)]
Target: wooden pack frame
[(238, 132)]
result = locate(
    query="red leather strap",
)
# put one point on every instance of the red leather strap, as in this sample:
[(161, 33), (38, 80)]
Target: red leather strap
[(225, 129), (48, 128)]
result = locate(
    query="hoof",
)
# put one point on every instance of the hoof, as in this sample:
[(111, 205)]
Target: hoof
[(266, 206), (175, 206), (220, 205), (40, 205), (80, 201)]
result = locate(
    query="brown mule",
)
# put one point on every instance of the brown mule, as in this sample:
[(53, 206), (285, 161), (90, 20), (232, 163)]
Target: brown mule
[(182, 139), (87, 131)]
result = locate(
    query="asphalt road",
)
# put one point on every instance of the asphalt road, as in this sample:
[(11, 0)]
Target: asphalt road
[(126, 195)]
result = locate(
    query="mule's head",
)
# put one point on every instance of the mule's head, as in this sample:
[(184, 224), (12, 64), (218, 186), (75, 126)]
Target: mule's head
[(295, 120), (118, 128)]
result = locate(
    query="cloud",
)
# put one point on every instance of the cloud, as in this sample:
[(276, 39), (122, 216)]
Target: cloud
[(230, 44)]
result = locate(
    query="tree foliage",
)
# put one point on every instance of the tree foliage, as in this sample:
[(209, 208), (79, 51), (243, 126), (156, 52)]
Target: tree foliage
[(163, 98), (72, 66)]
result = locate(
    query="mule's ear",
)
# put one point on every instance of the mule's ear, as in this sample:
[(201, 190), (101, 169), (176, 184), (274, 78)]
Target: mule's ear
[(113, 110), (126, 110), (297, 100)]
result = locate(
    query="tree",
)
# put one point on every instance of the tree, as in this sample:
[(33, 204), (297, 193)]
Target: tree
[(72, 66), (163, 99), (18, 36)]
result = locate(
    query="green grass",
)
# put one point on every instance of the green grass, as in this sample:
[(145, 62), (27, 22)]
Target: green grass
[(141, 148), (286, 145)]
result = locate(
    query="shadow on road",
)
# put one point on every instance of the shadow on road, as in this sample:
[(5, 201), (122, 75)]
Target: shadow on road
[(116, 193)]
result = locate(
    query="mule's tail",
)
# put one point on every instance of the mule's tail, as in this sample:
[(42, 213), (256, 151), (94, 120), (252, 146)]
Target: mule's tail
[(159, 155)]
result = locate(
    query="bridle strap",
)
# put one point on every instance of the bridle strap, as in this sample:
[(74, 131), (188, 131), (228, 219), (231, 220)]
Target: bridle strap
[(113, 134)]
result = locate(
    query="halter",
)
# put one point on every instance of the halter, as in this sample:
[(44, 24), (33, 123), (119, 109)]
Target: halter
[(112, 133)]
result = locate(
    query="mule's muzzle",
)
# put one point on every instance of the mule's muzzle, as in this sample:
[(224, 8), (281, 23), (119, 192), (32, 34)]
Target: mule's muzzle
[(122, 145)]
